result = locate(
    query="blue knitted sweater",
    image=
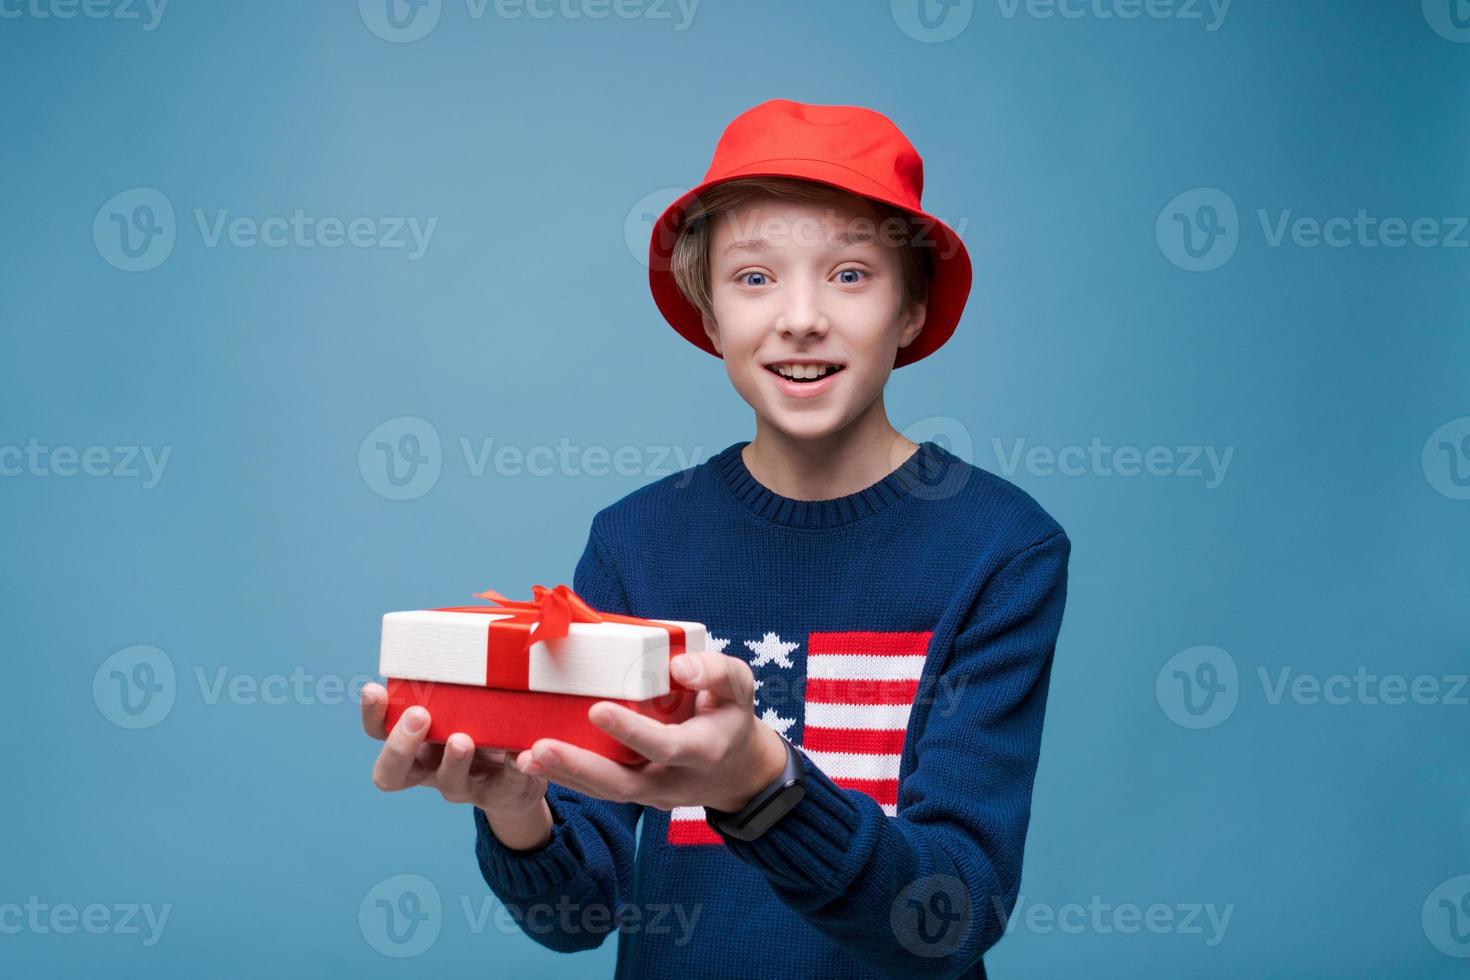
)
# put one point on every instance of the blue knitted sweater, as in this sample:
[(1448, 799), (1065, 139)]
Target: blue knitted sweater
[(902, 637)]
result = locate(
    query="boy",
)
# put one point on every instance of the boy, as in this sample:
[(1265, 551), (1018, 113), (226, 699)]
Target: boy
[(884, 605)]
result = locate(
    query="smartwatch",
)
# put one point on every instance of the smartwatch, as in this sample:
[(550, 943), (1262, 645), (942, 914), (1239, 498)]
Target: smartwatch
[(768, 806)]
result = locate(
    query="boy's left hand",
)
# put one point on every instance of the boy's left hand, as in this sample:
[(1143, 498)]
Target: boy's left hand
[(722, 757)]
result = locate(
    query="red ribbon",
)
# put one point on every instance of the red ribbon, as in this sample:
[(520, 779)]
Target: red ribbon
[(545, 617)]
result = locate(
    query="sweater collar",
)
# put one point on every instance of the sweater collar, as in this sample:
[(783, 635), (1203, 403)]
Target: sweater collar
[(916, 472)]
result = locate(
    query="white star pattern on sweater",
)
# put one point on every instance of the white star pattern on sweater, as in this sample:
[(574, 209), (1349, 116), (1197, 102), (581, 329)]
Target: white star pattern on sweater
[(776, 721), (771, 648), (716, 644)]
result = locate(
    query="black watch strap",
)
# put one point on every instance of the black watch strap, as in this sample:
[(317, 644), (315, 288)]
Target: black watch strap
[(767, 806)]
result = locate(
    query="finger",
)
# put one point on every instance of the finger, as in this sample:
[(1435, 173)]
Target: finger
[(592, 792), (567, 782), (728, 678), (594, 774), (525, 762), (374, 702), (522, 764), (453, 775), (512, 775), (665, 744), (503, 762), (395, 763)]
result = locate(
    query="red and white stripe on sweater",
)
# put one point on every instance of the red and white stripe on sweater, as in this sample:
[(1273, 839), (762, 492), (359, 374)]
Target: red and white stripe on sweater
[(860, 687)]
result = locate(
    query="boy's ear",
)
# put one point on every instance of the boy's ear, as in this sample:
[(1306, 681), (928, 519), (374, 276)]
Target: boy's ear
[(914, 325), (711, 331)]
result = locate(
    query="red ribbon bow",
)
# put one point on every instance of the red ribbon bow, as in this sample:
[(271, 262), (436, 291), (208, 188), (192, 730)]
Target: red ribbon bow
[(554, 609)]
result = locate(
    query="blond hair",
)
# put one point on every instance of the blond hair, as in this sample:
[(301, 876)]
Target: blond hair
[(689, 260)]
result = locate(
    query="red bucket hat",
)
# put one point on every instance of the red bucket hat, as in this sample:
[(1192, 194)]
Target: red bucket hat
[(847, 147)]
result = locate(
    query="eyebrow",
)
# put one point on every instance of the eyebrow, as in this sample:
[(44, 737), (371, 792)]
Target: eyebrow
[(762, 245)]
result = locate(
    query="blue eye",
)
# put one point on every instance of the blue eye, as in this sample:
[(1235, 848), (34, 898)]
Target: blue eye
[(744, 279), (852, 281)]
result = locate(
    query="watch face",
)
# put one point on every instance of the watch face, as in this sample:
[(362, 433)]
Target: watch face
[(776, 808)]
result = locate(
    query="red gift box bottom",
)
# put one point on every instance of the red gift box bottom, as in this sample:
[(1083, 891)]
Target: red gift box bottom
[(504, 719)]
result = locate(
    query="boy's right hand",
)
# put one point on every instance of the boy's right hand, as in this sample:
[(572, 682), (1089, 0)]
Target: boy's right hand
[(460, 772)]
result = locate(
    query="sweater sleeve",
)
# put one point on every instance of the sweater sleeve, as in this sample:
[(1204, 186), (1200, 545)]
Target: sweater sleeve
[(588, 863), (929, 890)]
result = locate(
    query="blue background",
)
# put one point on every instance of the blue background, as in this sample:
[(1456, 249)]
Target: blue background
[(268, 548)]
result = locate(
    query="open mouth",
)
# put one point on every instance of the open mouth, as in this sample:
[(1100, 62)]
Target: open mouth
[(804, 373)]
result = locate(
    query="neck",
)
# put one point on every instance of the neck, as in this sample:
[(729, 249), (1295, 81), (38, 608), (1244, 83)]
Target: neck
[(835, 465)]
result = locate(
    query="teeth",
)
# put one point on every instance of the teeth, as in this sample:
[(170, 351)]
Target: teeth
[(806, 371)]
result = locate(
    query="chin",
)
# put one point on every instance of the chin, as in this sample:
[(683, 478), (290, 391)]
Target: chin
[(812, 428)]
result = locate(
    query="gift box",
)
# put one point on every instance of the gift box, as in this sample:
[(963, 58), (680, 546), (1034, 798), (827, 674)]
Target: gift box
[(511, 673)]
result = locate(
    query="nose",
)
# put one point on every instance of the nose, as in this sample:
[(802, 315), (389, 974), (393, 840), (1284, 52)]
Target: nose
[(802, 316)]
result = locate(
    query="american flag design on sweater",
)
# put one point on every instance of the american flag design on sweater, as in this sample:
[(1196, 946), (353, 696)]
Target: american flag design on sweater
[(860, 688)]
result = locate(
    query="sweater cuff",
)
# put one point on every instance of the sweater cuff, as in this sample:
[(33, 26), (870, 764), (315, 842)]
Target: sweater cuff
[(807, 848), (526, 875)]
